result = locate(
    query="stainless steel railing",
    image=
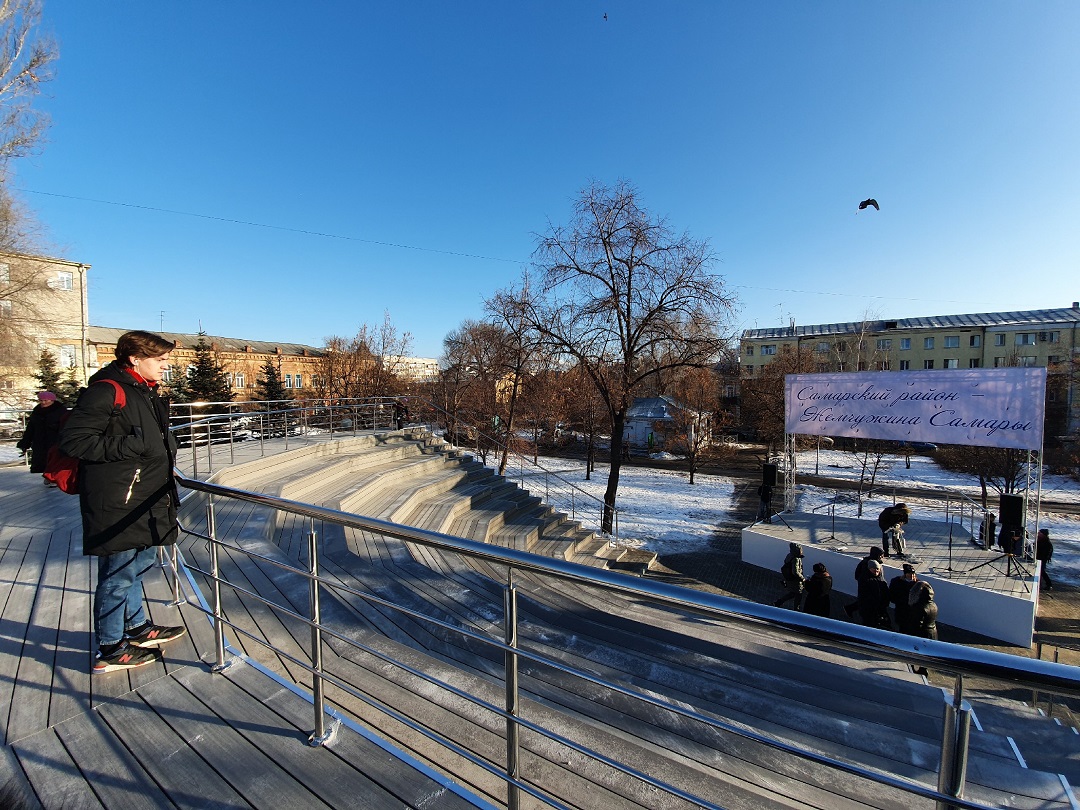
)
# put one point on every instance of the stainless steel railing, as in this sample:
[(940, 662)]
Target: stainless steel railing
[(941, 656)]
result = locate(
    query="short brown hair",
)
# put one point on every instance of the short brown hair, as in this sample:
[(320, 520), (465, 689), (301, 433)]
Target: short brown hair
[(141, 344)]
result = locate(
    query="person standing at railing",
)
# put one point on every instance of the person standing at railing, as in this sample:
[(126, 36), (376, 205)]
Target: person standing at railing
[(127, 495), (42, 431)]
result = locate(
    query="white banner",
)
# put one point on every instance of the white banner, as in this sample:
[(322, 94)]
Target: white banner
[(982, 407)]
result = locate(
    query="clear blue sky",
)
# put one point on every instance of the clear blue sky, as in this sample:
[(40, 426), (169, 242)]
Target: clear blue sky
[(430, 141)]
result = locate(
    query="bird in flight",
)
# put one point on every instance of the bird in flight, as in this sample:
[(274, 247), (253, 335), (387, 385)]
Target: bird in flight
[(605, 15), (868, 203)]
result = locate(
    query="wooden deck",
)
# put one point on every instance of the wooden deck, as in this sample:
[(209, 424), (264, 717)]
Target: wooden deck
[(169, 734)]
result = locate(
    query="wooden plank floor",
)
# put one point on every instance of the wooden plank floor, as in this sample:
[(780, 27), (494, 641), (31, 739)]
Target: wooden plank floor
[(171, 734)]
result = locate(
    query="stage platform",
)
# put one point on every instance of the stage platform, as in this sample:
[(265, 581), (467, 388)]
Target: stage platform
[(975, 589)]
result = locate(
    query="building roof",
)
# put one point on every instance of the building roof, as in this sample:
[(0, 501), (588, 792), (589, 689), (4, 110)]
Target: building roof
[(1035, 317), (108, 336), (652, 408)]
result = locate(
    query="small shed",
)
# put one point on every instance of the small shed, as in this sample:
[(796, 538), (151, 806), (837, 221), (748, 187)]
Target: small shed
[(642, 418)]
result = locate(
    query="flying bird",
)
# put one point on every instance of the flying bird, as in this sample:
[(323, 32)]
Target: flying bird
[(868, 203), (605, 16)]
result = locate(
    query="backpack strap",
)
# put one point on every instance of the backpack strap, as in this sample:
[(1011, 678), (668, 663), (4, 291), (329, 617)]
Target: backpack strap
[(119, 395)]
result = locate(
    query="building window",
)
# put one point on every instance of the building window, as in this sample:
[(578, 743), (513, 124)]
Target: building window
[(64, 280), (1028, 361), (5, 308), (905, 365), (974, 362), (975, 341), (999, 362), (240, 379), (729, 391), (190, 371), (748, 370), (5, 273), (905, 344), (288, 380), (822, 368), (928, 343), (749, 351), (884, 344), (928, 363), (67, 356), (952, 341), (770, 349), (823, 347), (1051, 337), (166, 375), (999, 339), (883, 365), (1025, 338), (1053, 360), (862, 365), (950, 363)]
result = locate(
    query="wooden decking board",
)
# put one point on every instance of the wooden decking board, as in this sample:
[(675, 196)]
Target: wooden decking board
[(24, 572), (53, 774), (258, 778), (174, 765), (75, 641)]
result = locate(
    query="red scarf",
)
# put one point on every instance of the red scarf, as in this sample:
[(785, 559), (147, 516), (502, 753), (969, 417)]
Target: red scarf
[(138, 378)]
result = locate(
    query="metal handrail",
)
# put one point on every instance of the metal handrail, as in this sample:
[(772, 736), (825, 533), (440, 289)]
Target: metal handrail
[(943, 656)]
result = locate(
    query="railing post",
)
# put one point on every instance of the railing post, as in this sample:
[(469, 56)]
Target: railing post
[(956, 729), (320, 735), (191, 438), (209, 449), (215, 573), (510, 667), (174, 558)]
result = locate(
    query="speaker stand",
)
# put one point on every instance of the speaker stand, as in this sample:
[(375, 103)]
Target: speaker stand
[(1013, 568)]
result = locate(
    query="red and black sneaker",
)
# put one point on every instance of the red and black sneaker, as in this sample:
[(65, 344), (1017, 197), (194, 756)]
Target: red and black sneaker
[(153, 635), (124, 657)]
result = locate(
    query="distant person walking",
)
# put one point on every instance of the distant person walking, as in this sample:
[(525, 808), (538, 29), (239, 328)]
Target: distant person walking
[(792, 573), (127, 495), (891, 516), (1044, 552), (818, 587), (42, 432)]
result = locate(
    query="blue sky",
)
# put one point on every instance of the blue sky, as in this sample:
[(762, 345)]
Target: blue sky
[(402, 157)]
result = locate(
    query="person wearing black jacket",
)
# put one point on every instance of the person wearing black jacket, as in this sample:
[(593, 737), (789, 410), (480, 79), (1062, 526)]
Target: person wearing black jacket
[(890, 516), (42, 430), (874, 598), (127, 495), (818, 588), (899, 587)]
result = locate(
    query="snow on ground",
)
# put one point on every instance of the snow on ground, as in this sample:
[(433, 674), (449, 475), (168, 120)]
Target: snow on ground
[(8, 453)]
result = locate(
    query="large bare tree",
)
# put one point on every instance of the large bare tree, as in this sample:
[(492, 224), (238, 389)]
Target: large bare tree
[(26, 61), (628, 298)]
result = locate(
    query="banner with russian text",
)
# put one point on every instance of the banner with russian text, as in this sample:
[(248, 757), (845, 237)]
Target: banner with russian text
[(982, 407)]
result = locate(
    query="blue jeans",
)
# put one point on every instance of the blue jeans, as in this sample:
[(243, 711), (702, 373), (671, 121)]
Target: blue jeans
[(118, 600)]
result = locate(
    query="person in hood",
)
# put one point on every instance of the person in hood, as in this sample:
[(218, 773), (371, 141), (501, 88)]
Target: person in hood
[(862, 573), (792, 572), (920, 618), (42, 431), (127, 495), (818, 588)]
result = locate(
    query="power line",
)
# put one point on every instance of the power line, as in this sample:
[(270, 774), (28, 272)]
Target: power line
[(270, 227)]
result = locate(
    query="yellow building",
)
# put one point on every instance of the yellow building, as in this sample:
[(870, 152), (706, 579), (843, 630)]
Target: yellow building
[(1044, 337), (43, 305), (298, 365)]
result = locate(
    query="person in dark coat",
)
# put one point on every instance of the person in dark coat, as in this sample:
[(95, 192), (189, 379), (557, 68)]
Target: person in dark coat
[(42, 430), (126, 494), (1044, 551), (861, 573), (818, 588), (874, 598), (988, 531), (890, 516), (899, 587), (921, 616), (794, 580), (765, 493)]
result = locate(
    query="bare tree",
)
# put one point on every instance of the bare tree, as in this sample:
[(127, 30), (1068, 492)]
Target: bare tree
[(694, 426), (26, 62), (627, 298), (365, 365)]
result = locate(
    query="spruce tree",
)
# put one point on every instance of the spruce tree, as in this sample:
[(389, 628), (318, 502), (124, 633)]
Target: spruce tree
[(269, 384), (48, 374), (68, 390), (208, 381)]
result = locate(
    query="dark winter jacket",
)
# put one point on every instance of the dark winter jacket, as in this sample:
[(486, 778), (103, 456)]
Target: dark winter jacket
[(126, 489), (42, 432), (874, 602), (818, 588), (892, 516), (898, 595), (921, 616), (792, 569)]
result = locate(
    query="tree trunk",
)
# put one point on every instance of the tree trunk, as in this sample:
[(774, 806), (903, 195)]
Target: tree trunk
[(618, 424)]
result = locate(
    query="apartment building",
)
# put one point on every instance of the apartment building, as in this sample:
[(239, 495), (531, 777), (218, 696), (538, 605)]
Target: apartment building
[(43, 305), (1044, 337), (243, 360)]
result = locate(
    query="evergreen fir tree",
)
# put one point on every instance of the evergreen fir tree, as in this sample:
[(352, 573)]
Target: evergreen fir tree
[(208, 381), (48, 374), (68, 390), (269, 384)]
